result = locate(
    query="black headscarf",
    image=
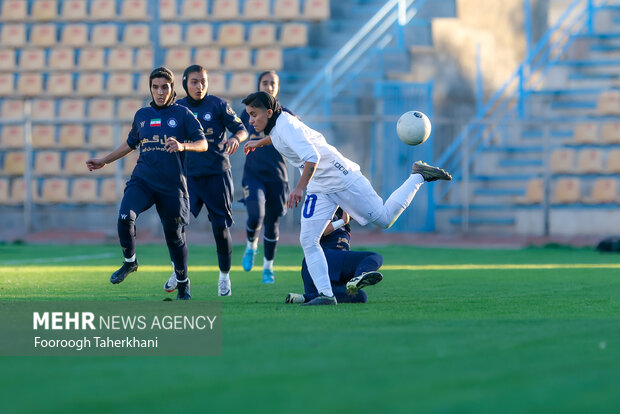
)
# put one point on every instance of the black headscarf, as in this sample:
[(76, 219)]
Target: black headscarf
[(265, 101), (188, 70), (167, 74)]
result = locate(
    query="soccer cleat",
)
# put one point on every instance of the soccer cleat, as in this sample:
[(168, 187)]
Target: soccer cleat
[(268, 276), (171, 284), (183, 290), (430, 173), (248, 259), (294, 298), (363, 280), (321, 300), (223, 288), (124, 271)]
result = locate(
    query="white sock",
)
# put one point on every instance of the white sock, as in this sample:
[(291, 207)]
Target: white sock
[(131, 259), (224, 276), (252, 245), (267, 264), (317, 267), (399, 200)]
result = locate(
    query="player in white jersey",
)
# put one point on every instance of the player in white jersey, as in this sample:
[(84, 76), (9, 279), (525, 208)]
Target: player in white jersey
[(329, 180)]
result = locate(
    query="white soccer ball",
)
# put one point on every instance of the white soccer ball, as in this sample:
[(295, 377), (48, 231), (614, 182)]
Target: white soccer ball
[(413, 128)]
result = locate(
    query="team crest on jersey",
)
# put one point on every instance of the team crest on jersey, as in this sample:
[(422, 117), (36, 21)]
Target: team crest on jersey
[(172, 123), (207, 117)]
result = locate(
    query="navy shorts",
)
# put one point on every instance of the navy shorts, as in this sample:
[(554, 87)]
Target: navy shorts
[(139, 197), (273, 193), (216, 193)]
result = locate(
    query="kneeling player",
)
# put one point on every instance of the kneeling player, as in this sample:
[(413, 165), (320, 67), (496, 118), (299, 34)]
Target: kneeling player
[(349, 271), (161, 132)]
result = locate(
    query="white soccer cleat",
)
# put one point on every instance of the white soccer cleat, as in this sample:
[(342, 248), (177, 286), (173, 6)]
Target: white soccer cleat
[(223, 288), (294, 298), (171, 284)]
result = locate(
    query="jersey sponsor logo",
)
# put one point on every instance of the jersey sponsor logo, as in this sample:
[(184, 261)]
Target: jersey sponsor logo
[(156, 122), (340, 167), (142, 124), (207, 117), (172, 123)]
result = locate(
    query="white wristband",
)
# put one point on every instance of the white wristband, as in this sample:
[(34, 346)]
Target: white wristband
[(337, 224)]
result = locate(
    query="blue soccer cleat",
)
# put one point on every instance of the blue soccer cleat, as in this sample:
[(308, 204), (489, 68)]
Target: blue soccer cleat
[(248, 259), (268, 276), (123, 272), (183, 290)]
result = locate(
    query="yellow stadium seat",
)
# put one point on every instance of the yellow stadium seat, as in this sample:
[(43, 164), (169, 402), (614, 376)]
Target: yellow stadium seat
[(194, 9), (7, 84), (170, 34), (199, 34), (101, 136), (43, 35), (120, 59), (286, 10), (73, 10), (4, 191), (294, 35), (108, 192), (47, 163), (72, 136), (256, 10), (104, 35), (610, 133), (32, 59), (231, 34), (72, 109), (60, 84), (167, 9), (130, 161), (178, 58), (590, 161), (262, 35), (316, 9), (75, 35), (44, 10), (127, 108), (136, 35), (144, 59), (90, 84), (18, 191), (75, 162), (238, 58), (563, 161), (101, 109), (242, 84), (12, 136), (103, 10), (225, 10), (14, 10), (604, 190), (43, 109), (90, 59), (62, 58), (84, 190), (567, 191), (12, 109), (217, 83), (43, 136), (54, 190), (613, 162), (14, 163), (13, 35), (120, 84), (30, 84), (134, 10), (208, 57), (609, 103), (7, 60), (269, 59)]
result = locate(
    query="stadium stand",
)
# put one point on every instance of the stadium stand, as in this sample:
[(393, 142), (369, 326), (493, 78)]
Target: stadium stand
[(13, 35), (60, 84), (43, 109), (73, 109), (231, 34), (209, 57), (563, 160), (242, 84), (287, 9), (225, 9), (43, 136), (613, 162), (14, 10), (73, 10), (75, 163), (167, 9), (104, 35), (30, 84), (256, 10), (237, 58), (32, 59), (54, 191), (103, 10), (269, 59), (7, 60), (101, 136), (47, 163), (587, 133), (71, 136), (83, 190), (44, 35), (610, 133), (604, 190), (4, 191), (194, 10), (44, 10), (90, 59), (62, 58), (199, 34), (75, 35), (567, 191), (12, 109), (18, 191), (316, 9), (107, 193), (590, 161), (12, 136), (134, 10), (7, 87)]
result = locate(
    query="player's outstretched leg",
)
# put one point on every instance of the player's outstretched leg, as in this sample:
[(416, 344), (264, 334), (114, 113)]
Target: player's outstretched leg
[(430, 173), (363, 280), (183, 290), (322, 300), (127, 268)]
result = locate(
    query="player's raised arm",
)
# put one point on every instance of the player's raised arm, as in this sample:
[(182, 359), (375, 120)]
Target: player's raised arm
[(118, 153)]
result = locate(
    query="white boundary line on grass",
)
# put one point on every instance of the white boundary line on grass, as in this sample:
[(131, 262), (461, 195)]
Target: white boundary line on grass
[(79, 258)]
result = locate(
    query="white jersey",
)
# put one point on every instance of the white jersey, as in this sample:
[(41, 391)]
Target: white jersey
[(300, 144)]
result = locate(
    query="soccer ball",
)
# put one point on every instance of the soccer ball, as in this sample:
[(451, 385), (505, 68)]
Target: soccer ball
[(413, 128)]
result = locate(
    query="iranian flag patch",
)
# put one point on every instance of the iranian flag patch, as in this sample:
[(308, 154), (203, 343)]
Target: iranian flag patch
[(155, 122)]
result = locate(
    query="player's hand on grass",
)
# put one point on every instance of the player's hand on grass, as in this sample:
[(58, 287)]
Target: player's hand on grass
[(232, 144), (94, 164), (172, 145), (295, 198)]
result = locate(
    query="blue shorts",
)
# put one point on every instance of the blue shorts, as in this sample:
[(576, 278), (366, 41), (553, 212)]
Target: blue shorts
[(139, 197), (273, 193), (216, 193)]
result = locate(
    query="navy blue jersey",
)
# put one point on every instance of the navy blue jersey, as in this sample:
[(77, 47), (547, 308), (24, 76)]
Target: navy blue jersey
[(164, 172), (264, 163), (338, 239), (215, 115)]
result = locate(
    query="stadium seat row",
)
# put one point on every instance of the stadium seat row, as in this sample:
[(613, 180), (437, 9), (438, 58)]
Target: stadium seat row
[(597, 133), (569, 191), (71, 109), (136, 10), (59, 190), (587, 161), (63, 136), (51, 163), (138, 35)]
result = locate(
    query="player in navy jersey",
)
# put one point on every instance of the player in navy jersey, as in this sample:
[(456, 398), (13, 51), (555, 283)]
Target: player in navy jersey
[(164, 133), (349, 271), (208, 174), (265, 189)]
